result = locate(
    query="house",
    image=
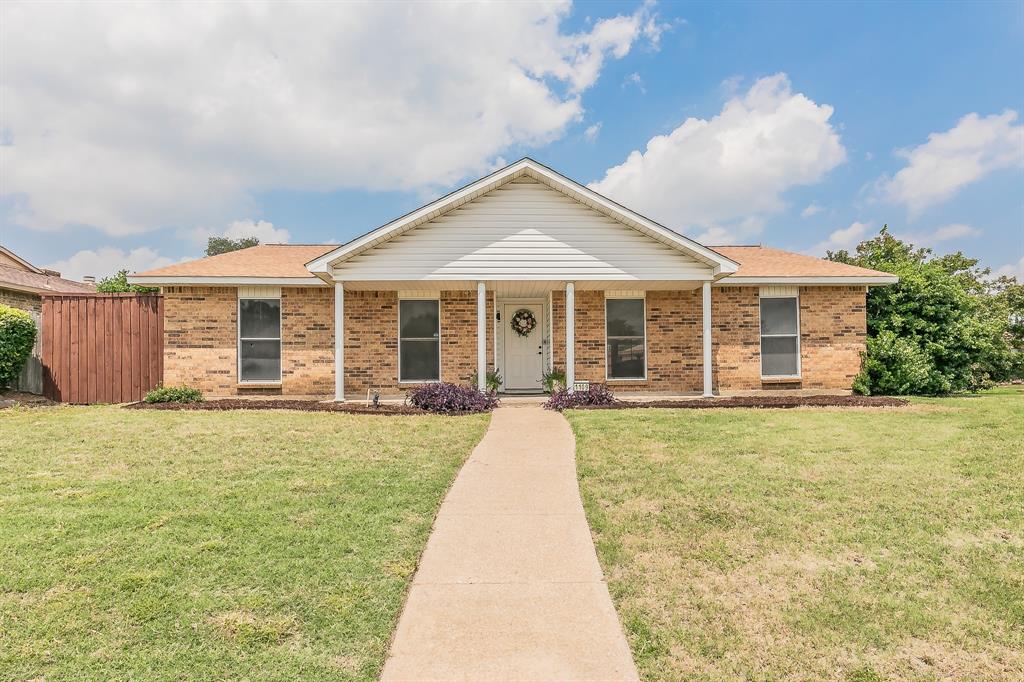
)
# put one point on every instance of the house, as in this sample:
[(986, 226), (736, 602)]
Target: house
[(22, 286), (521, 272)]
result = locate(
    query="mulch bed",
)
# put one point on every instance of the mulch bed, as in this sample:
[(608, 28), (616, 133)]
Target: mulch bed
[(12, 398), (387, 409), (774, 402)]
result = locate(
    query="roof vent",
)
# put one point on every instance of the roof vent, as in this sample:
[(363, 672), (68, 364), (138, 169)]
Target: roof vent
[(89, 279)]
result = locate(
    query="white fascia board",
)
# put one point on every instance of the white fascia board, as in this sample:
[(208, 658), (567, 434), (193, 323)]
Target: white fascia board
[(227, 281), (720, 264), (856, 280)]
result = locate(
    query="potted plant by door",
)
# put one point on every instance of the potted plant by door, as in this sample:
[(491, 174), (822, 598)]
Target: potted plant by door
[(554, 381)]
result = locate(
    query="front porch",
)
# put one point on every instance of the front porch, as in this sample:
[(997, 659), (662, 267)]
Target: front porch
[(656, 340)]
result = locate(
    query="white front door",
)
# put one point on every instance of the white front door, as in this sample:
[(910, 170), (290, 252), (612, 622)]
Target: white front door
[(524, 355)]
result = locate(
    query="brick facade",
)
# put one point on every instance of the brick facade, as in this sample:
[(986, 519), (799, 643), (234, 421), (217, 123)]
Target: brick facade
[(21, 300), (200, 343)]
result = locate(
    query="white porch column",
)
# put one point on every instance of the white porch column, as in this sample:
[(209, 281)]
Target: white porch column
[(706, 335), (570, 335), (481, 336), (339, 342)]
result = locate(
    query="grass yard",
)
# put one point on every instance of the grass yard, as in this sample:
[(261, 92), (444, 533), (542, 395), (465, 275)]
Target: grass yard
[(857, 544), (199, 545)]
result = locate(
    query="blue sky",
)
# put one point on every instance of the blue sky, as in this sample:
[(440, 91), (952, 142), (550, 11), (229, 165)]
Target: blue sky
[(128, 138)]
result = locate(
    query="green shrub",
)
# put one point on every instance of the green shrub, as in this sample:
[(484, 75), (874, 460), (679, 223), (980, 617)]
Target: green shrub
[(894, 365), (17, 335), (493, 381), (955, 324), (174, 394)]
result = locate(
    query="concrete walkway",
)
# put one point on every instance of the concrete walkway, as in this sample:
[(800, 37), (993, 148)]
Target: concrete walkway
[(509, 587)]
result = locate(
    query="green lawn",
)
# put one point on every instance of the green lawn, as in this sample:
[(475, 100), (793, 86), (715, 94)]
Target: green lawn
[(814, 543), (199, 545)]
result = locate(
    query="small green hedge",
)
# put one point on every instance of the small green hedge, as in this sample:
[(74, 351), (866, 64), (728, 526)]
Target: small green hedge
[(174, 394), (17, 335)]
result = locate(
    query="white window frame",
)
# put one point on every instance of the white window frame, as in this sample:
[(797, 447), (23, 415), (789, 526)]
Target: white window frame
[(440, 368), (638, 296), (279, 338), (760, 336)]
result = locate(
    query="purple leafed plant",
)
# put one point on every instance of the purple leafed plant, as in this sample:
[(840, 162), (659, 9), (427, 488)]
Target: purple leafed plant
[(444, 398), (597, 394)]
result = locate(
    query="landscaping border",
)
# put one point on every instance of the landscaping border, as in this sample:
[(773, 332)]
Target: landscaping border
[(388, 410), (756, 402)]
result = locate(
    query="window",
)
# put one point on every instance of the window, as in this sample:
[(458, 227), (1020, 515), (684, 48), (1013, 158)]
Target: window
[(259, 339), (419, 340), (625, 338), (780, 337)]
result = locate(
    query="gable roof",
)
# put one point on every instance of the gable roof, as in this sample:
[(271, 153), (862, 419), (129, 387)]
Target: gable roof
[(719, 264), (13, 260), (765, 263), (757, 264), (283, 263)]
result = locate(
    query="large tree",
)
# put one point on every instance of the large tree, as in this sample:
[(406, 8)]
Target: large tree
[(219, 245), (947, 325)]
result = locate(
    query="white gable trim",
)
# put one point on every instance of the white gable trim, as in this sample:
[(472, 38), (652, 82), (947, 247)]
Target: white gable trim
[(719, 264)]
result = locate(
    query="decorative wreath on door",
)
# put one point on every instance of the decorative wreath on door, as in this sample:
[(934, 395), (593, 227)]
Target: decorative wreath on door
[(523, 322)]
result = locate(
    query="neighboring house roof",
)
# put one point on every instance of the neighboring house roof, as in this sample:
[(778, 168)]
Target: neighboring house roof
[(11, 259), (765, 263), (281, 263), (39, 282), (287, 262), (719, 264)]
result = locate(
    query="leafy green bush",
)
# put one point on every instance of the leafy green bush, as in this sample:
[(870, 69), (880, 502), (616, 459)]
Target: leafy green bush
[(174, 394), (493, 381), (893, 365), (17, 335), (947, 326), (118, 284)]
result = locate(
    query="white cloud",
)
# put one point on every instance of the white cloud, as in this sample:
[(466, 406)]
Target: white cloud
[(263, 230), (730, 86), (846, 238), (951, 160), (1012, 270), (713, 173), (591, 133), (130, 117), (941, 234), (811, 209), (636, 81), (107, 261)]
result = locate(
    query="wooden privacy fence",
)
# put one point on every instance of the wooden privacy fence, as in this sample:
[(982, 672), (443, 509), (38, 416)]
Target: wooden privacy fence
[(102, 348)]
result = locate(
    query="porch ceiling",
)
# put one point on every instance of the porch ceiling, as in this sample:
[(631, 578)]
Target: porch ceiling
[(522, 288)]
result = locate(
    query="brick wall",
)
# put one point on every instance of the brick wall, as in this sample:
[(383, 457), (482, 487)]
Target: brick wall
[(673, 341), (736, 338), (833, 334), (21, 300), (307, 341), (371, 340), (201, 331), (200, 338), (833, 329)]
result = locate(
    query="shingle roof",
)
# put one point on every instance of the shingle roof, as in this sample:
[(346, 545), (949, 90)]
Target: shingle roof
[(265, 260), (40, 282), (764, 261), (289, 260)]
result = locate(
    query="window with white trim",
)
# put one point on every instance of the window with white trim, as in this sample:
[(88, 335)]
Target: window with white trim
[(625, 338), (259, 340), (419, 340), (780, 336)]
